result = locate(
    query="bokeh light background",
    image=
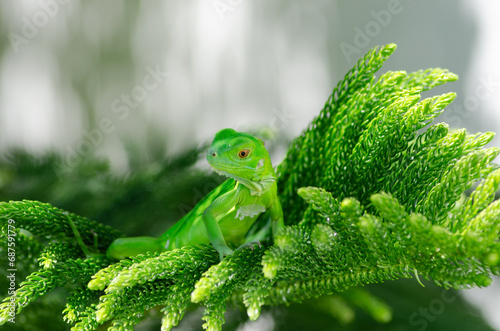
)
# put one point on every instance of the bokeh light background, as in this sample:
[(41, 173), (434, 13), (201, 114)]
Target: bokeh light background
[(178, 71)]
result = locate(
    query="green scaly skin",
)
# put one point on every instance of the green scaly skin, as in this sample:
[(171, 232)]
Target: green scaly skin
[(226, 214)]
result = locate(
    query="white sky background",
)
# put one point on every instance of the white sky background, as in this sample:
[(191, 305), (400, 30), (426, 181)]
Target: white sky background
[(237, 68)]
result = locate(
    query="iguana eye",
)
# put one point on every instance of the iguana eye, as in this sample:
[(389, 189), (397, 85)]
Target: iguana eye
[(243, 153)]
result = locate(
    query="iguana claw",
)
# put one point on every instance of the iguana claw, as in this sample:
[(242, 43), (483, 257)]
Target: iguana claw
[(250, 244)]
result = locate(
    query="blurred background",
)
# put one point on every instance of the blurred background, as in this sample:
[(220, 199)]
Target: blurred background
[(132, 84)]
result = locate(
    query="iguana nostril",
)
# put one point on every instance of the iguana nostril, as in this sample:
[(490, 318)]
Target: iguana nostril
[(212, 153)]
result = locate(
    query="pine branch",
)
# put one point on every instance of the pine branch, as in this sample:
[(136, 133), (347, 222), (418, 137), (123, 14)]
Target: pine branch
[(57, 252), (46, 221), (221, 280), (300, 165), (41, 282)]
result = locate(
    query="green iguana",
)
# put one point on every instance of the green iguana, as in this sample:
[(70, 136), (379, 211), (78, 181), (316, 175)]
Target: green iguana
[(225, 214)]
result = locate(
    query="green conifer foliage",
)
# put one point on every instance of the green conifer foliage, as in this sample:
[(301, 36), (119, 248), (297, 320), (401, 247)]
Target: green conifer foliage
[(372, 191)]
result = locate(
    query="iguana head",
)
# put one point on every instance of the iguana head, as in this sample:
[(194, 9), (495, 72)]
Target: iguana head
[(243, 157)]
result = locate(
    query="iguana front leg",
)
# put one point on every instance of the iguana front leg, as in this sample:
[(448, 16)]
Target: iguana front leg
[(276, 213), (216, 208)]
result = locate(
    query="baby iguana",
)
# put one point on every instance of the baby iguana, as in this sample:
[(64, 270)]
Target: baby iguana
[(225, 214)]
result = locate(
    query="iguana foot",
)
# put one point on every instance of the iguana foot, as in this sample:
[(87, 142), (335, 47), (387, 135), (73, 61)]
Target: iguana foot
[(250, 244), (224, 251)]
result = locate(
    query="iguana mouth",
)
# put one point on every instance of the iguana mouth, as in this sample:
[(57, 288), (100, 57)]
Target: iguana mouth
[(223, 172), (220, 172)]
